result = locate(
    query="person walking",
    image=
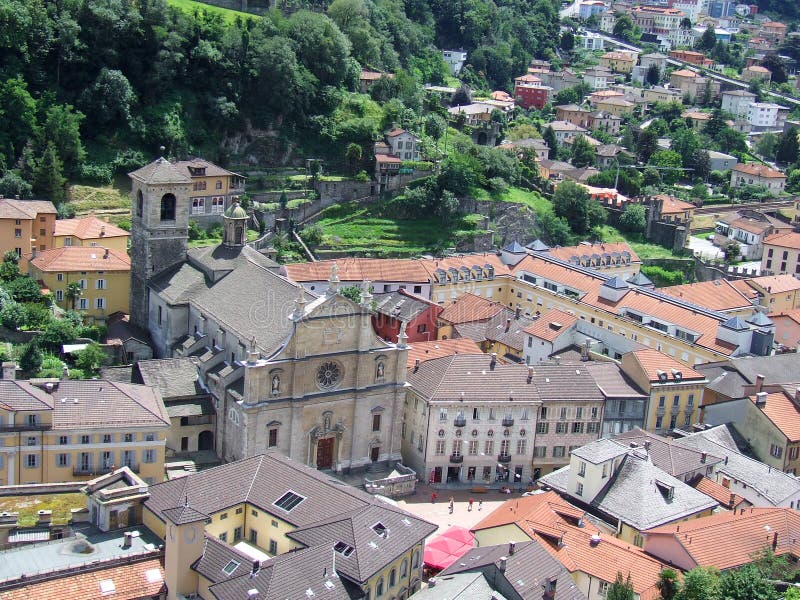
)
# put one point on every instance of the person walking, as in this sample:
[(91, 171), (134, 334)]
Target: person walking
[(451, 505), (480, 505), (433, 497), (469, 507)]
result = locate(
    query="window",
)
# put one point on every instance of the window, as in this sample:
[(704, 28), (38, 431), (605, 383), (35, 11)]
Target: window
[(540, 451), (476, 414), (273, 438), (160, 315), (128, 438), (100, 284), (217, 205), (602, 589), (63, 440), (223, 516), (86, 439), (659, 422), (563, 415), (661, 401), (775, 451), (223, 537), (83, 304), (149, 456), (559, 451), (288, 501), (579, 489), (473, 447), (253, 537), (62, 460), (18, 233), (376, 422), (218, 184), (542, 427), (230, 567), (582, 469), (273, 547), (443, 414), (59, 295), (543, 412), (392, 577), (488, 447), (168, 207), (579, 412), (676, 400), (237, 534), (522, 446), (379, 588), (594, 413), (100, 302), (59, 277), (198, 206), (457, 447), (31, 461), (577, 427), (561, 428), (593, 427), (107, 438)]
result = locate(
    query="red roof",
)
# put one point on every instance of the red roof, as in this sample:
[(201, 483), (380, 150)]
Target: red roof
[(469, 308), (395, 132), (784, 240), (551, 325), (82, 258), (758, 170), (652, 361), (88, 228), (422, 351), (386, 158), (721, 494)]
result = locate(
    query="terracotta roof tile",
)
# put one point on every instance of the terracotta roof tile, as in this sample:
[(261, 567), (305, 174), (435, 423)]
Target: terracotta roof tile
[(784, 414), (673, 205), (775, 284), (131, 581), (88, 228), (684, 73), (718, 492), (211, 170), (25, 209), (758, 170), (716, 295), (81, 258), (784, 240), (423, 351), (743, 288), (551, 324), (386, 158), (652, 361), (708, 540), (468, 308), (751, 225), (359, 269)]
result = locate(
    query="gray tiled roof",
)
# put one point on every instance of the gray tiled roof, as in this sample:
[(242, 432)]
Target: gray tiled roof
[(729, 378), (459, 586), (565, 382), (400, 306), (495, 329), (21, 395), (216, 556), (612, 381), (527, 570), (180, 515), (159, 171), (667, 455), (174, 377), (190, 407), (600, 451)]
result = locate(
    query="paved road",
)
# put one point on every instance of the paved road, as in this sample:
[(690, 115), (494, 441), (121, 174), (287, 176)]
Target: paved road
[(704, 247)]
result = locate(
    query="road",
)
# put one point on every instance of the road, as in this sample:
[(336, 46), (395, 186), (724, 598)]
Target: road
[(708, 73)]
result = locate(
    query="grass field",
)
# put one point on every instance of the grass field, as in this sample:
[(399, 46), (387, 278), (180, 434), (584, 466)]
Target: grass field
[(28, 506), (228, 15), (642, 249), (103, 202)]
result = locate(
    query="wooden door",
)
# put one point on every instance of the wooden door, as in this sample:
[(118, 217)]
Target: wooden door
[(325, 453)]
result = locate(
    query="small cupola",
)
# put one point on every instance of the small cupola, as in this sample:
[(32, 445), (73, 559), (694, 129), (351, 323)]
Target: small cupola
[(234, 225)]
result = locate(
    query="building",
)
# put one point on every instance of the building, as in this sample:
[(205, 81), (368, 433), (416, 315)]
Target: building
[(538, 146), (572, 113), (606, 122), (721, 8), (542, 336), (591, 7), (674, 390), (695, 119), (785, 257), (89, 231), (607, 21), (213, 189), (737, 379), (607, 155), (559, 80), (774, 31), (598, 78), (473, 419), (403, 144), (623, 487), (690, 56), (692, 85), (770, 425), (259, 523), (625, 404), (717, 295), (763, 116), (565, 129), (616, 106), (455, 59), (787, 329), (393, 309), (756, 73), (103, 275), (368, 78), (529, 92), (619, 62), (776, 293), (55, 431), (737, 102), (422, 351), (707, 542), (589, 40), (756, 174), (127, 342), (285, 368), (639, 72), (25, 226), (661, 94), (719, 161), (657, 19), (747, 228)]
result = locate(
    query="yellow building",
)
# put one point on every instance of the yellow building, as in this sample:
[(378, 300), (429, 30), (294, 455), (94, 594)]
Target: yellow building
[(619, 62), (214, 189), (224, 524), (103, 274), (778, 293), (89, 231), (25, 226), (54, 431), (674, 389)]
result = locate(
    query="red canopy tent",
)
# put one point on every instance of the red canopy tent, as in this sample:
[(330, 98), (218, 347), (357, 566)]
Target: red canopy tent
[(446, 548)]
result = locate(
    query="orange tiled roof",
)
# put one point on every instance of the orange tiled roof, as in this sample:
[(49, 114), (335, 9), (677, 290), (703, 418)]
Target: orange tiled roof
[(757, 69), (551, 325), (468, 308), (359, 269), (776, 284), (466, 260), (547, 509), (673, 205), (652, 361), (751, 225), (716, 295), (567, 252), (386, 158), (629, 56), (784, 414), (88, 228), (685, 73), (81, 258), (395, 132), (708, 539), (422, 351), (135, 580), (528, 78), (744, 289), (784, 240), (721, 494), (758, 170)]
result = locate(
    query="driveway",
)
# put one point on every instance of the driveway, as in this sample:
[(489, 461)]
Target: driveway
[(704, 247)]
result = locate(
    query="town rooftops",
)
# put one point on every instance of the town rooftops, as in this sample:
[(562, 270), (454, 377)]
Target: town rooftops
[(401, 305), (684, 73), (782, 410), (173, 377), (718, 492), (751, 225), (387, 158), (784, 240), (551, 324), (758, 171), (600, 451), (25, 209), (659, 10), (627, 56), (666, 454), (775, 284), (160, 171), (656, 365), (573, 254), (89, 227), (716, 295), (422, 351), (81, 258), (708, 541), (613, 383), (565, 126), (739, 93), (468, 308), (757, 69), (395, 132), (200, 167), (505, 326)]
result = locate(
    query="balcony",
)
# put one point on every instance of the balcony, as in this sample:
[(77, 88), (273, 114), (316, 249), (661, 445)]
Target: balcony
[(24, 427), (457, 458), (460, 422), (504, 458), (661, 410), (83, 471), (508, 422)]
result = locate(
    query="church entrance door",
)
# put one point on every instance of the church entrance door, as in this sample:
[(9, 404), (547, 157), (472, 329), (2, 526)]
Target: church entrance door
[(325, 453)]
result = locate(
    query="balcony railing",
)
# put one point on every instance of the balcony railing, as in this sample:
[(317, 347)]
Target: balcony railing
[(456, 458), (460, 421), (25, 427), (661, 410), (97, 471), (508, 422), (504, 458)]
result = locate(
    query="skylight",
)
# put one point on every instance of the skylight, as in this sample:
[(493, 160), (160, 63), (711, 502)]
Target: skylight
[(230, 567), (379, 528), (343, 549), (288, 501)]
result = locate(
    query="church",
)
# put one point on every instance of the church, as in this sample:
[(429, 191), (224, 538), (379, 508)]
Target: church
[(289, 371)]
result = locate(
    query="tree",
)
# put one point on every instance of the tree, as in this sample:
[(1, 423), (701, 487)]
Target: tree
[(31, 358), (435, 126), (352, 292), (701, 583), (708, 40), (647, 144), (788, 149), (73, 293), (773, 566), (9, 268), (776, 66), (462, 96), (730, 140), (747, 583), (109, 99), (668, 584), (633, 219), (57, 333), (685, 142), (767, 145), (24, 289), (582, 152), (715, 124), (549, 136), (554, 230), (621, 590), (624, 28), (13, 315), (653, 75), (732, 251), (48, 178), (567, 41), (460, 173), (671, 161), (756, 89), (700, 163), (353, 154), (91, 358), (686, 23), (17, 117), (12, 185), (572, 202)]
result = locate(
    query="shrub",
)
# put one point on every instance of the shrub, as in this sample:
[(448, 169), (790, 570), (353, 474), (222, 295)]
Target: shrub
[(662, 277), (97, 174)]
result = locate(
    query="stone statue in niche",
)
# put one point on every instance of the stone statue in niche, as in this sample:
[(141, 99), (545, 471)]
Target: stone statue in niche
[(276, 384), (379, 370)]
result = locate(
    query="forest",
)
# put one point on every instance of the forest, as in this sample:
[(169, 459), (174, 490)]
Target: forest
[(90, 88)]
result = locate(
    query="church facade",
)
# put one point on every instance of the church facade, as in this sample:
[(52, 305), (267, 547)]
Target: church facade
[(288, 370)]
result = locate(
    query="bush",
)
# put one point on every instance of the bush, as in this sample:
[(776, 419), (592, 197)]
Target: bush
[(124, 224), (312, 236), (97, 174), (57, 333), (13, 315), (30, 360), (361, 176), (195, 233), (37, 316), (497, 185), (66, 211), (662, 277), (51, 366), (91, 358)]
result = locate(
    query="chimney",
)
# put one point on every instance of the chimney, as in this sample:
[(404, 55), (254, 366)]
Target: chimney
[(127, 539), (703, 457), (647, 445), (585, 351), (530, 377), (774, 541), (33, 251), (502, 565), (432, 582), (9, 370), (64, 373), (44, 518), (508, 325), (759, 382), (518, 312), (252, 594), (416, 365), (105, 254), (761, 399), (257, 566), (511, 548), (102, 230), (796, 394), (493, 363)]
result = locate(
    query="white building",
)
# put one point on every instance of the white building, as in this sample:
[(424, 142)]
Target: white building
[(737, 102), (766, 115), (692, 8), (455, 59), (589, 40)]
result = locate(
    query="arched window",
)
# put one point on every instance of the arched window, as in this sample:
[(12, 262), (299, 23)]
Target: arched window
[(415, 559), (379, 588), (404, 568), (168, 207), (139, 203)]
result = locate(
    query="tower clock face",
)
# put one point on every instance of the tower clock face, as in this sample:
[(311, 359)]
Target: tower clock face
[(328, 375)]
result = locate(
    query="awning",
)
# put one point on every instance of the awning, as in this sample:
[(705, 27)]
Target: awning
[(445, 549)]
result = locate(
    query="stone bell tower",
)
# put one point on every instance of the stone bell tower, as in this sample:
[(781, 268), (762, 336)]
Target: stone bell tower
[(159, 228)]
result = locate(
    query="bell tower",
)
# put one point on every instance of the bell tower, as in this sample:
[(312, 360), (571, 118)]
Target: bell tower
[(159, 228)]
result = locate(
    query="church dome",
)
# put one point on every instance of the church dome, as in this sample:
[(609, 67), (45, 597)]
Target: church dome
[(236, 212)]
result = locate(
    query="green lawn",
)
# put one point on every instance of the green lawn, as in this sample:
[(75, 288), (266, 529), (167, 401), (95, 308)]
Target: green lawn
[(28, 506), (642, 249), (229, 15), (533, 200), (213, 241), (104, 202)]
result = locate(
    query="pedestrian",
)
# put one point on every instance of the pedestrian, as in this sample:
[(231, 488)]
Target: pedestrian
[(480, 505), (433, 497), (469, 508), (451, 505)]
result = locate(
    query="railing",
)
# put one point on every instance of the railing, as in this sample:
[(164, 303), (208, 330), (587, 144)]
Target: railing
[(504, 458), (38, 427), (460, 421), (456, 458), (97, 471), (508, 422), (661, 410)]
